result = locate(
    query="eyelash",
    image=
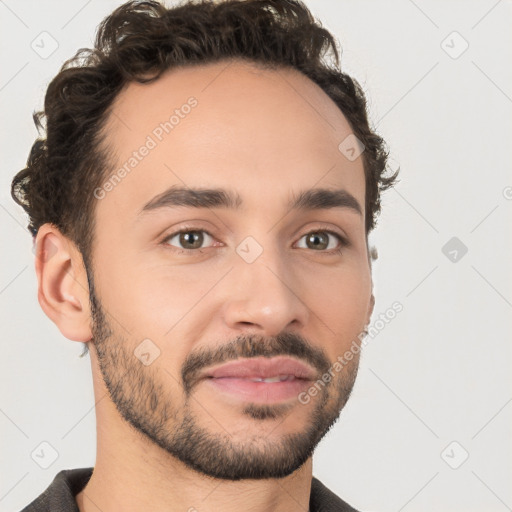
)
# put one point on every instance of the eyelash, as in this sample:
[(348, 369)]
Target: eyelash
[(343, 242)]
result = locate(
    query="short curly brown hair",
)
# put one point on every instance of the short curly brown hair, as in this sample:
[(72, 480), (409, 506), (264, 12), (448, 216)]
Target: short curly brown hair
[(138, 42)]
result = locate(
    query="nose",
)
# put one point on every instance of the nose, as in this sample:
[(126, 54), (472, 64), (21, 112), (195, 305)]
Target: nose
[(265, 297)]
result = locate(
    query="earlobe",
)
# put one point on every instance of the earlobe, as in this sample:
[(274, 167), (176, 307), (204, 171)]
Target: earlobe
[(62, 283)]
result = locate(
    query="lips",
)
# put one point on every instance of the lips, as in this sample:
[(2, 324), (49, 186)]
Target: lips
[(264, 369)]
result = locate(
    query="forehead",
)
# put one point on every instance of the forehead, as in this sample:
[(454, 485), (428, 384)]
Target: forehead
[(228, 124)]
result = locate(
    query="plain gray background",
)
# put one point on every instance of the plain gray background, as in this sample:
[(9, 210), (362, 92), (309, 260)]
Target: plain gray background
[(429, 424)]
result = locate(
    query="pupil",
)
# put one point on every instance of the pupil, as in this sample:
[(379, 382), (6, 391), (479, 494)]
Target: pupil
[(192, 238), (318, 240)]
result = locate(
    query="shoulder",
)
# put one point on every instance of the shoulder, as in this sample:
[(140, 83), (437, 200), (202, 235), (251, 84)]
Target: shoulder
[(324, 500), (60, 494)]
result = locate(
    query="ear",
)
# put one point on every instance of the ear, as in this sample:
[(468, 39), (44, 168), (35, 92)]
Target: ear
[(372, 256), (370, 309), (63, 290)]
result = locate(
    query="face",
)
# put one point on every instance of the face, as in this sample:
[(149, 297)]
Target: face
[(230, 267)]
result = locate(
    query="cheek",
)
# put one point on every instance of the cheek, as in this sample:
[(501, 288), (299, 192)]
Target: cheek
[(150, 299), (341, 300)]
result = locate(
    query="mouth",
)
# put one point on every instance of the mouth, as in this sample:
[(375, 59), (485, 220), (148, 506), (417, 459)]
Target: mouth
[(260, 379)]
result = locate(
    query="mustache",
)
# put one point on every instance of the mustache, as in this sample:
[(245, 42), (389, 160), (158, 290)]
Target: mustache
[(248, 346)]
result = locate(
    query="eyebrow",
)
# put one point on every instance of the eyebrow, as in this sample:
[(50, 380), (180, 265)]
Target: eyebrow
[(312, 199)]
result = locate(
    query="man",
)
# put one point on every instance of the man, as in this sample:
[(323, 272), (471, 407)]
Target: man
[(201, 205)]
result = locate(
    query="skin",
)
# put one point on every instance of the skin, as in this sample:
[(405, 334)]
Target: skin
[(265, 134)]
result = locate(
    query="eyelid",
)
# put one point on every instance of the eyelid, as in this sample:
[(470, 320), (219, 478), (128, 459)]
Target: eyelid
[(327, 230)]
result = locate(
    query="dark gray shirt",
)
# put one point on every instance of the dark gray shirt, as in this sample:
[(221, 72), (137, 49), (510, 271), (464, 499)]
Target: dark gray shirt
[(60, 495)]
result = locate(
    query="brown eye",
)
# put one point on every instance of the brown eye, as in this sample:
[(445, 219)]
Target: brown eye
[(317, 240), (189, 240), (321, 240)]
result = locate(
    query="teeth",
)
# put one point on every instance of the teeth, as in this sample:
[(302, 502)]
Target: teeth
[(278, 378)]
